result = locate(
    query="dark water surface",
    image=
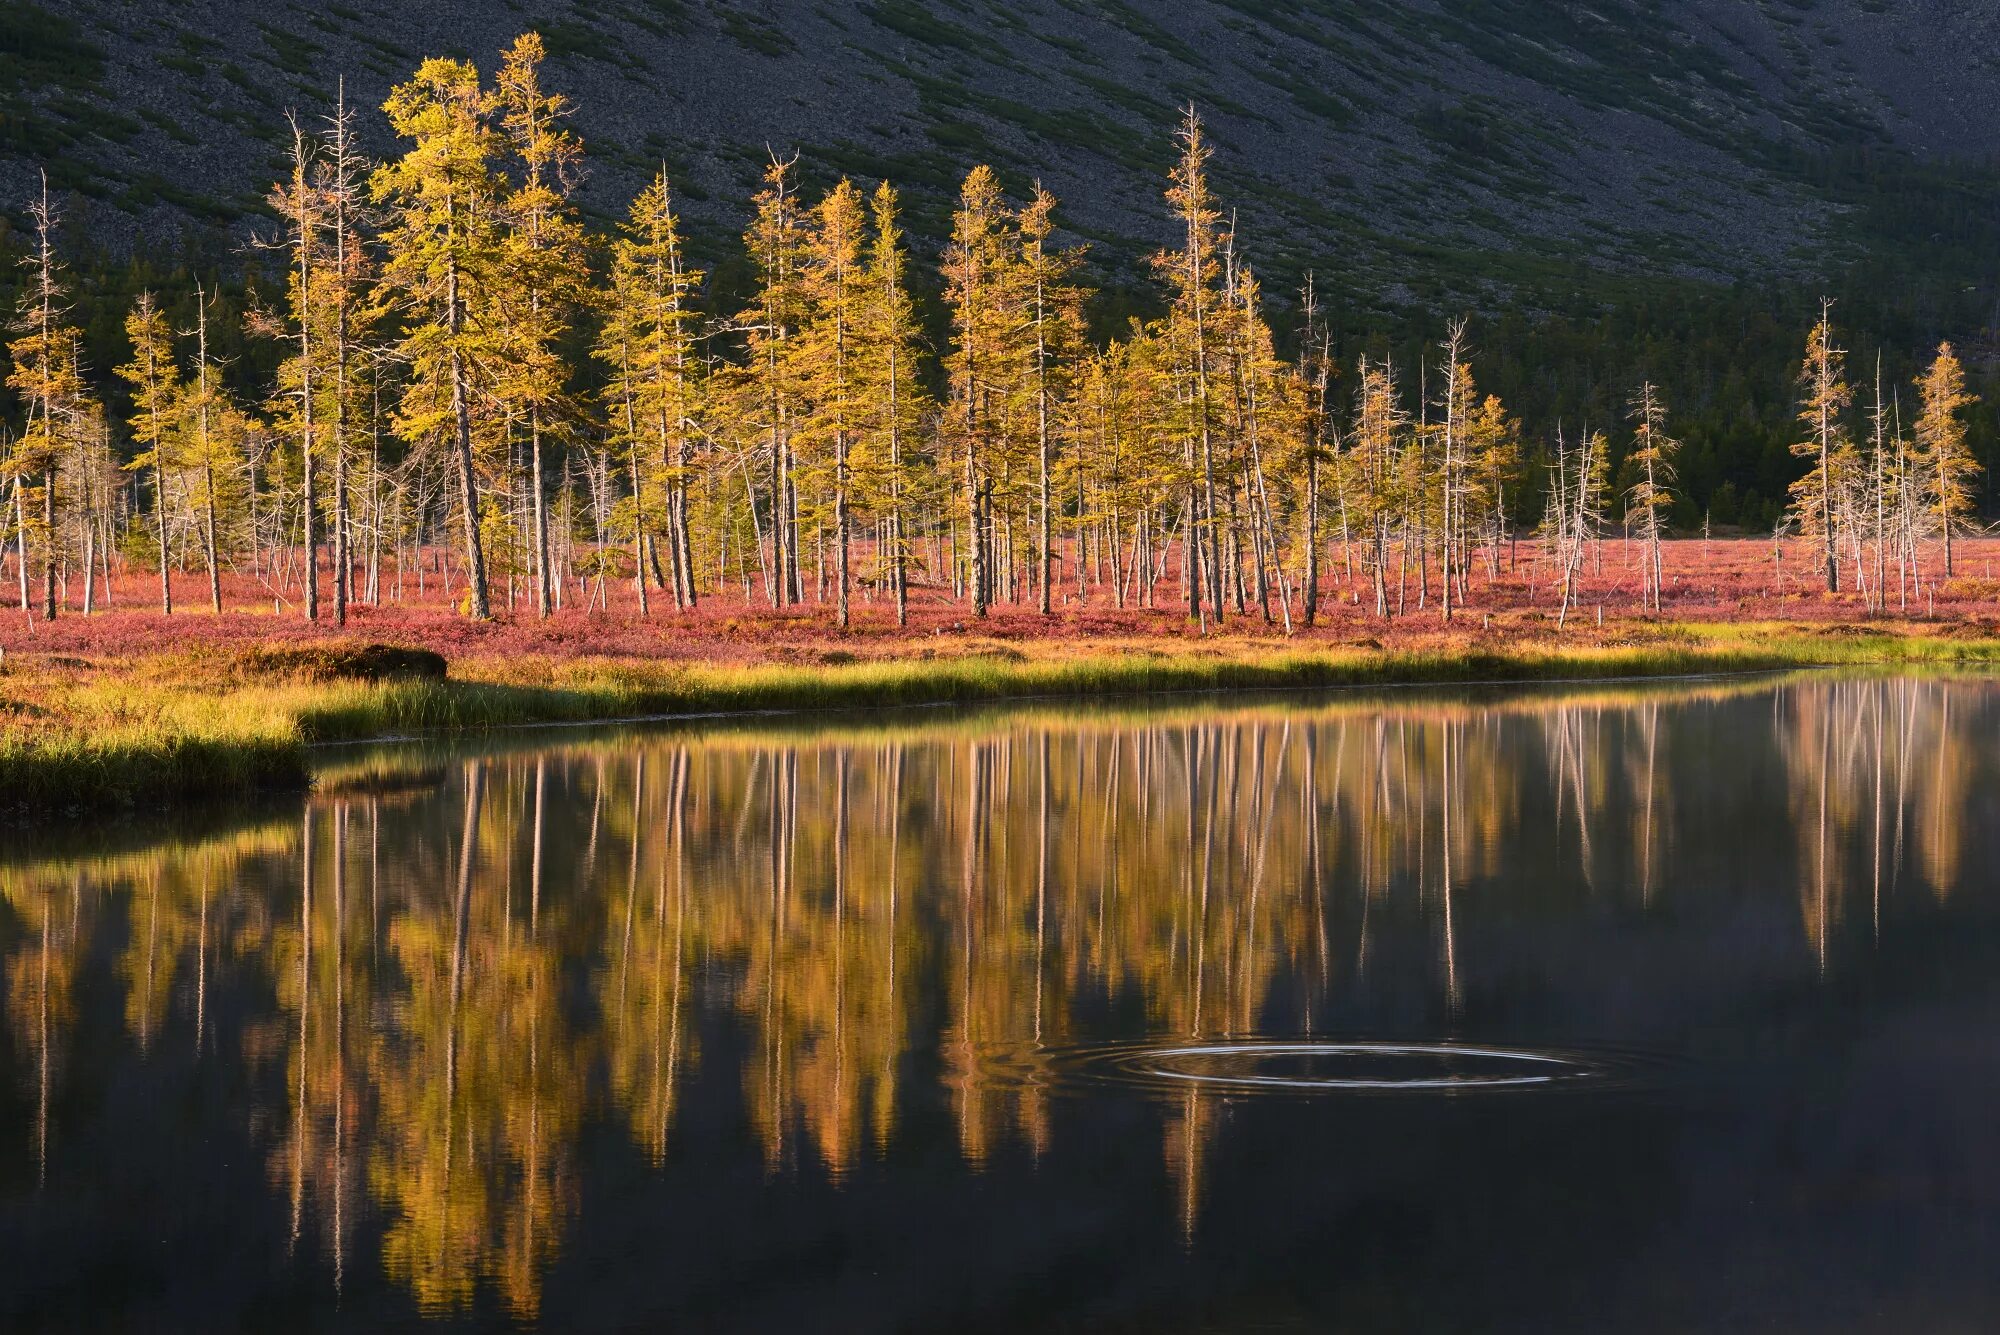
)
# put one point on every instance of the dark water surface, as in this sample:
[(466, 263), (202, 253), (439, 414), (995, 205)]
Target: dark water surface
[(1623, 1008)]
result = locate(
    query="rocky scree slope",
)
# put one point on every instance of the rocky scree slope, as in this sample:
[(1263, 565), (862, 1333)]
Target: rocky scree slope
[(1465, 145)]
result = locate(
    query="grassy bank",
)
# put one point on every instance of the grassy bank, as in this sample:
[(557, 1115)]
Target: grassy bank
[(84, 736)]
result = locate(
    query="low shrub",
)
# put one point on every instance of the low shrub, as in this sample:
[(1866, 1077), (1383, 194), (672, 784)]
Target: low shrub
[(340, 662)]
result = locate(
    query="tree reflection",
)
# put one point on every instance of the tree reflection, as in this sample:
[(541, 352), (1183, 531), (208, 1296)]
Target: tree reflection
[(467, 963)]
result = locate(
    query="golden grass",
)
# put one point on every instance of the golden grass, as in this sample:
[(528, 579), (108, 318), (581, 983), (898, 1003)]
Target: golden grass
[(83, 737)]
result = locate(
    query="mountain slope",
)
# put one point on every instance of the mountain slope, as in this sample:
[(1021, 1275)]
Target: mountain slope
[(1469, 145)]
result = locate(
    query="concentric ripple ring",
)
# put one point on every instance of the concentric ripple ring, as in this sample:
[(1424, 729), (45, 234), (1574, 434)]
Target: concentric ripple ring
[(1444, 1067)]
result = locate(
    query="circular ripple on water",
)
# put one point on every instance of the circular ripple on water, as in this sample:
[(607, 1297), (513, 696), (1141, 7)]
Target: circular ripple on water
[(1301, 1067), (1308, 1067)]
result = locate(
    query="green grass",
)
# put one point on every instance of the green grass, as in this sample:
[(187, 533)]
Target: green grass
[(85, 774), (150, 736)]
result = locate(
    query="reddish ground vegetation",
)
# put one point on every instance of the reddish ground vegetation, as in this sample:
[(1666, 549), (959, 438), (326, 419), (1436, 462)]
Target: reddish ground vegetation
[(1724, 580)]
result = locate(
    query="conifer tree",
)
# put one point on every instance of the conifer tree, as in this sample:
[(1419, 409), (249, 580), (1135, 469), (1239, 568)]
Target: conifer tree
[(49, 379), (542, 271), (298, 202), (443, 255), (1653, 452), (1493, 447), (835, 291), (353, 314), (776, 243), (976, 273), (1824, 398), (896, 402), (1191, 273), (214, 431), (661, 360), (156, 393), (1271, 423), (1315, 375), (1372, 467), (617, 339), (1459, 402), (1148, 475), (1946, 460), (90, 479), (1881, 479), (1052, 313)]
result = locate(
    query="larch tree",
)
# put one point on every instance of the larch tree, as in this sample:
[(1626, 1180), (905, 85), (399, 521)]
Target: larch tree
[(1418, 496), (776, 241), (1315, 373), (91, 479), (543, 272), (298, 201), (896, 404), (1947, 461), (1371, 464), (352, 313), (1269, 424), (1651, 494), (156, 416), (977, 270), (618, 337), (835, 290), (213, 433), (1052, 310), (1095, 427), (1147, 474), (1882, 481), (1493, 449), (49, 379), (1191, 272), (443, 255), (662, 372), (1823, 401), (1458, 402)]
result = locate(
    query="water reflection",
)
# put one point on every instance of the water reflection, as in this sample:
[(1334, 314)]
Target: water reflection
[(432, 992)]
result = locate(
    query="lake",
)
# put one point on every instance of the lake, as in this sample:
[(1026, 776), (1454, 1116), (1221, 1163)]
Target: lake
[(1612, 1007)]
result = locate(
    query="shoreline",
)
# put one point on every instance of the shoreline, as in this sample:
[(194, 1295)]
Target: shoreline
[(82, 737), (775, 713)]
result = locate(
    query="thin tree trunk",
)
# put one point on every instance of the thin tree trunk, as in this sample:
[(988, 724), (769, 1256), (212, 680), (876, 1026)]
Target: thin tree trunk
[(461, 408), (541, 513)]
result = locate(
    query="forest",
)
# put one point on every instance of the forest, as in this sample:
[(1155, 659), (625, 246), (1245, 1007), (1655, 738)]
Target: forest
[(462, 392)]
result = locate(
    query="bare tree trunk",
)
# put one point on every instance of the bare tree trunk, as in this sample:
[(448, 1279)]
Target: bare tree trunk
[(1311, 575), (1046, 566), (160, 508), (343, 559), (684, 542), (840, 521), (541, 513), (208, 456), (214, 567), (89, 565), (302, 246), (49, 545), (21, 537), (898, 557), (461, 409)]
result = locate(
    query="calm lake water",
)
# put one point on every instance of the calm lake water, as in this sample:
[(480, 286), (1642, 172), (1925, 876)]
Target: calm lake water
[(1651, 1008)]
